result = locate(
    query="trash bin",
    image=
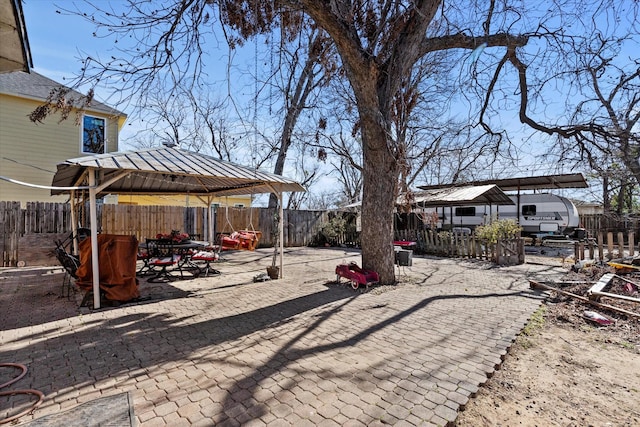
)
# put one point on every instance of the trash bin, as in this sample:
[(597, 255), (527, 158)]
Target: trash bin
[(404, 258), (580, 233)]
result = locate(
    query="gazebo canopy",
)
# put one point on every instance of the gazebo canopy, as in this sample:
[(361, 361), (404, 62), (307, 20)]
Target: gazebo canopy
[(163, 171)]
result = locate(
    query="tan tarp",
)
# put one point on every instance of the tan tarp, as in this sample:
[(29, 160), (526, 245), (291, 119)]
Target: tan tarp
[(117, 259)]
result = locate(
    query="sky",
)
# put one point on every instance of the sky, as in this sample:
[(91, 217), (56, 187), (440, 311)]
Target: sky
[(56, 39)]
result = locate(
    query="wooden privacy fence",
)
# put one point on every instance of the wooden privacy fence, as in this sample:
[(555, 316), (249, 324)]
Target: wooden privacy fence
[(29, 234), (609, 222), (503, 252), (606, 246)]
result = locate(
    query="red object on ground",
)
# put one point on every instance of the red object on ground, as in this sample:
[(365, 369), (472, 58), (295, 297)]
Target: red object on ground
[(597, 318), (356, 275)]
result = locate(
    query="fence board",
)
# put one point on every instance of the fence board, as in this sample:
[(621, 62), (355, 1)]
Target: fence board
[(506, 251), (615, 248)]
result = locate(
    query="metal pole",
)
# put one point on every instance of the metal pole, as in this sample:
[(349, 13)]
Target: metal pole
[(95, 267), (281, 229)]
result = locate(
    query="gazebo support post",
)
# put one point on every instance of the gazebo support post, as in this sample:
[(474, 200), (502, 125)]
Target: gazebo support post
[(74, 222), (281, 229), (95, 267)]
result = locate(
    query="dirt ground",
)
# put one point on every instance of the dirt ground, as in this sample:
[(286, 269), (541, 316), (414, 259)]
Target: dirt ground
[(565, 369)]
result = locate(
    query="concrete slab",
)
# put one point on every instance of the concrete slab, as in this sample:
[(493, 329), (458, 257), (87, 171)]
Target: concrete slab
[(301, 350)]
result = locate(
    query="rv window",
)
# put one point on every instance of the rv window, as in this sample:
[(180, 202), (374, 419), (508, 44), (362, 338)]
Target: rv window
[(528, 210), (466, 211)]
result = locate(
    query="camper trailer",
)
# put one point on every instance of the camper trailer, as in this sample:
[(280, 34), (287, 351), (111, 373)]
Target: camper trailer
[(538, 214)]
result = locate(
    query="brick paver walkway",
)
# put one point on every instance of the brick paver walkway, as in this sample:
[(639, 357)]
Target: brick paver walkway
[(298, 351)]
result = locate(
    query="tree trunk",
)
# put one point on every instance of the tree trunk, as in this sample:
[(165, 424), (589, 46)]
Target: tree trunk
[(380, 174)]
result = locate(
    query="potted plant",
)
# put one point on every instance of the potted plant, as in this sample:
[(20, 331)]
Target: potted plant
[(273, 270)]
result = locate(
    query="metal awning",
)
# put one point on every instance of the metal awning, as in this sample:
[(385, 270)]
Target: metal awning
[(543, 182), (458, 196)]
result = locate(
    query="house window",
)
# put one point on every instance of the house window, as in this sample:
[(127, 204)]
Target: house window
[(528, 210), (239, 205), (93, 135), (466, 211)]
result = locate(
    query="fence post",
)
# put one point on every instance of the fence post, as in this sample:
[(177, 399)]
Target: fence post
[(632, 245), (520, 250), (600, 246), (610, 245), (620, 244)]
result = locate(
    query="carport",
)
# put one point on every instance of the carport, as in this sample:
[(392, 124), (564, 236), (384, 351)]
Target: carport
[(488, 194), (161, 171)]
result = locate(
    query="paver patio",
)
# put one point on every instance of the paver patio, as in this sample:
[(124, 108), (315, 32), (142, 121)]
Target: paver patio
[(301, 350)]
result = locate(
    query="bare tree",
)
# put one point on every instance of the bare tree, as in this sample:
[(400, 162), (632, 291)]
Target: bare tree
[(604, 123), (302, 71), (379, 45)]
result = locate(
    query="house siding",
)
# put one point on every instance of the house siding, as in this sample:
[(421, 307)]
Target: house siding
[(29, 152)]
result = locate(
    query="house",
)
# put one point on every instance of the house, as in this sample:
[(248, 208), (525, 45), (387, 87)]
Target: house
[(15, 54), (29, 152)]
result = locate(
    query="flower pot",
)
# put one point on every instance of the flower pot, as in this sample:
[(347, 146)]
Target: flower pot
[(273, 272)]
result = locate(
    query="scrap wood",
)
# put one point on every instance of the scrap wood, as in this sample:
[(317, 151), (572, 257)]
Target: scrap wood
[(628, 281), (623, 267), (537, 285), (604, 281), (610, 295), (597, 290)]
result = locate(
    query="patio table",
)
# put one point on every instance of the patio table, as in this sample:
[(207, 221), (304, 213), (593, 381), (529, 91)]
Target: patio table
[(164, 253)]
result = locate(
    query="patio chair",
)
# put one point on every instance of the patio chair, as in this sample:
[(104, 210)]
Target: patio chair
[(146, 269), (161, 257), (206, 257), (70, 263)]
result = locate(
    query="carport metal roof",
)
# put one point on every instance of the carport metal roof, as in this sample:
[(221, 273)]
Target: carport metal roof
[(162, 171), (543, 182), (489, 194)]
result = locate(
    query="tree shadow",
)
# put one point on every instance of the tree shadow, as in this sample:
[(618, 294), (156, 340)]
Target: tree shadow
[(131, 344)]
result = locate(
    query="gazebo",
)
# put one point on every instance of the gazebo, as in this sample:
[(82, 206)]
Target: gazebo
[(161, 171)]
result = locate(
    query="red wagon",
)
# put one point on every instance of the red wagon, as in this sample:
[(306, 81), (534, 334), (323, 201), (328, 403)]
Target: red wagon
[(356, 275)]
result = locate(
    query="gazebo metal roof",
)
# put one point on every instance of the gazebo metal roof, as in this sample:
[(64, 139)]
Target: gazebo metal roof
[(162, 171)]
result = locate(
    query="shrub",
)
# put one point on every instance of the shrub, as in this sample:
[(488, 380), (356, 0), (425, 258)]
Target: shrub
[(332, 230), (500, 229)]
